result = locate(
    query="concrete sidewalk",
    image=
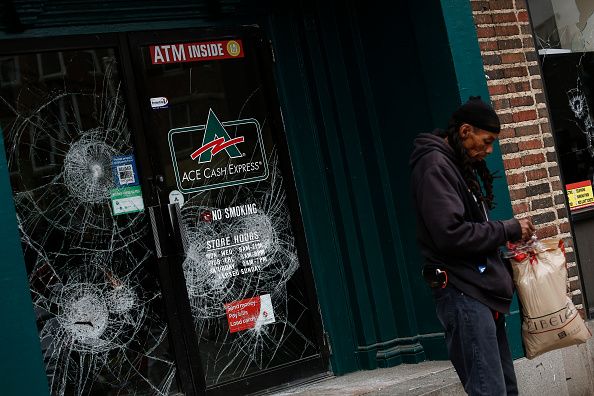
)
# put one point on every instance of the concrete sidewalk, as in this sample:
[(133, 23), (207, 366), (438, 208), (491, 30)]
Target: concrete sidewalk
[(569, 371)]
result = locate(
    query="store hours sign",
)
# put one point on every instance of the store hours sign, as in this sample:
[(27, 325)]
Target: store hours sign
[(217, 154)]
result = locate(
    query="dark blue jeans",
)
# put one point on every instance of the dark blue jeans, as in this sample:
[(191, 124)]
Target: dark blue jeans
[(477, 344)]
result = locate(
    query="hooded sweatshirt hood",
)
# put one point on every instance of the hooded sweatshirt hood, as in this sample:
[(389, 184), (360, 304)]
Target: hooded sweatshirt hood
[(426, 143)]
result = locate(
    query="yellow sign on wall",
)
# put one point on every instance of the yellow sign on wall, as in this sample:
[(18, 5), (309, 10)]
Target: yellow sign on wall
[(580, 195)]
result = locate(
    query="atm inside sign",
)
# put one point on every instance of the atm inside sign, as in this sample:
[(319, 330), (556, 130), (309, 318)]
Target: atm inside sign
[(580, 195), (195, 52)]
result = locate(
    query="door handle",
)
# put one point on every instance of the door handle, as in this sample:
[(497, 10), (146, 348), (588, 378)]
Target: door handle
[(168, 230)]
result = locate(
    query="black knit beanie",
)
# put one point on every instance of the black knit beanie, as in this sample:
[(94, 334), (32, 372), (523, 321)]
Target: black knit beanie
[(478, 114)]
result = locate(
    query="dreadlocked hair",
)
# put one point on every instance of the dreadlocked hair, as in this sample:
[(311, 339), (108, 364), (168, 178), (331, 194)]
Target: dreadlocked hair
[(471, 169)]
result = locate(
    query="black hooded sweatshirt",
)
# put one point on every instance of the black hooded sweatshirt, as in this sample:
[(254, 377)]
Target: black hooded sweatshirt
[(453, 230)]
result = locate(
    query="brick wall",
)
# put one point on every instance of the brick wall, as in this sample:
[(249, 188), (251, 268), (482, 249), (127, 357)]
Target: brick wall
[(513, 77)]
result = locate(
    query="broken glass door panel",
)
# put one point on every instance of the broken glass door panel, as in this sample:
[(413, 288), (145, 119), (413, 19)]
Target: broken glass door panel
[(97, 302), (223, 158)]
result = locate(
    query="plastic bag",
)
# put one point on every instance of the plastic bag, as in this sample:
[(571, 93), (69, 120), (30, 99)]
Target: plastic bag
[(549, 318)]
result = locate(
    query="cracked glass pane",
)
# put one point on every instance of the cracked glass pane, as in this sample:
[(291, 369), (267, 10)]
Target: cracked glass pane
[(97, 303), (219, 137), (563, 25)]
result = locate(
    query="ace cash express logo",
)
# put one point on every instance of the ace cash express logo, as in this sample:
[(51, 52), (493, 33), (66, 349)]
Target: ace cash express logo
[(217, 154)]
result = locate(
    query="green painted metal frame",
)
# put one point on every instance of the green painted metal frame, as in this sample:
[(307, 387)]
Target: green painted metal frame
[(472, 81), (21, 363)]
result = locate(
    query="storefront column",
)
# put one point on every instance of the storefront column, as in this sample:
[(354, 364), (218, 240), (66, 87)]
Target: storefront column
[(20, 361), (468, 65)]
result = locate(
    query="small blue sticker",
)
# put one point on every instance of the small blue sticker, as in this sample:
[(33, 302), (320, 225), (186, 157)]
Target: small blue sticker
[(124, 171), (482, 268)]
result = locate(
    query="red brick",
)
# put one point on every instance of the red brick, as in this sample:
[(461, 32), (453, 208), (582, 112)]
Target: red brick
[(501, 4), (525, 29), (504, 17), (532, 159), (501, 104), (481, 19), (509, 44), (519, 71), (525, 115), (557, 186), (523, 16), (520, 208), (480, 5), (485, 31), (505, 118), (497, 89), (496, 74), (518, 87), (554, 171), (544, 218), (530, 145), (512, 163), (536, 83), (528, 42), (491, 60), (521, 5), (515, 179), (536, 174), (527, 130), (546, 232), (508, 148), (507, 133), (565, 227), (541, 203), (488, 45), (531, 56), (507, 30), (516, 57), (521, 101), (516, 194)]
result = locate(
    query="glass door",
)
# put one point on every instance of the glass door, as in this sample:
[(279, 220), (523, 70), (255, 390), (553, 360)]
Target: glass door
[(216, 137), (81, 216), (158, 214)]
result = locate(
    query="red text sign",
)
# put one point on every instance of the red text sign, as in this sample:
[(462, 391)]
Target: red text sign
[(243, 314), (195, 52), (250, 313)]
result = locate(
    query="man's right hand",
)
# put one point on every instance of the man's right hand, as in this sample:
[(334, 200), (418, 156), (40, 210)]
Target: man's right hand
[(527, 228)]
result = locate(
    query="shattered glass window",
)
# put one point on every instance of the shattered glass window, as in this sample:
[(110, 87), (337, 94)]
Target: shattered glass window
[(563, 26), (220, 143), (97, 303)]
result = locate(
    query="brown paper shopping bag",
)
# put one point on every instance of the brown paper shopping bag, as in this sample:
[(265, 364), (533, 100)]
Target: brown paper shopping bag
[(549, 318)]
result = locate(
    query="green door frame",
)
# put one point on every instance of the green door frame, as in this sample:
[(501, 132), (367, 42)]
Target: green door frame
[(21, 361), (468, 65)]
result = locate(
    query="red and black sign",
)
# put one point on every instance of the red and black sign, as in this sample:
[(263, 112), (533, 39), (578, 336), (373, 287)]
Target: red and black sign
[(196, 52)]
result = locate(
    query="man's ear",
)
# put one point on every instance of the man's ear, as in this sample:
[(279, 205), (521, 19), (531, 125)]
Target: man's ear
[(464, 130)]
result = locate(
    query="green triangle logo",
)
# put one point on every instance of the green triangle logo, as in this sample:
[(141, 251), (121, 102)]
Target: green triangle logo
[(216, 139)]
